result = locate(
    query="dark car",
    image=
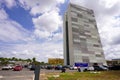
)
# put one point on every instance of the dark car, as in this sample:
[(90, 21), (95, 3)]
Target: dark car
[(49, 67), (114, 67), (100, 68), (17, 68), (58, 67), (32, 67)]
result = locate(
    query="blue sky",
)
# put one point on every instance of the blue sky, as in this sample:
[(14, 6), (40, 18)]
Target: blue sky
[(34, 28)]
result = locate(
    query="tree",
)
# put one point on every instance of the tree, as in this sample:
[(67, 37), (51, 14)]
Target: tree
[(14, 59), (4, 61), (34, 59), (29, 60)]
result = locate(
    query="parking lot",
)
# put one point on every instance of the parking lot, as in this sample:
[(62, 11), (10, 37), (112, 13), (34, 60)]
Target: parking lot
[(25, 74)]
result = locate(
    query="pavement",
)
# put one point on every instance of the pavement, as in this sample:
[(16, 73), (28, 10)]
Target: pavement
[(25, 74)]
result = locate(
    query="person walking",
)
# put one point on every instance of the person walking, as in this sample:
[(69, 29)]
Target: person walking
[(63, 70), (79, 70)]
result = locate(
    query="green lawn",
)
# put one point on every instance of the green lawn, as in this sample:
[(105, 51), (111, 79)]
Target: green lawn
[(103, 75)]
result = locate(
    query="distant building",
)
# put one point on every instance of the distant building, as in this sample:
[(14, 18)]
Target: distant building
[(81, 38), (113, 61), (55, 61), (116, 60)]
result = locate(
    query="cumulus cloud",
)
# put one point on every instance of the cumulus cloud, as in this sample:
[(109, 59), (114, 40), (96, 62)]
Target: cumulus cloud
[(9, 3), (47, 23), (3, 14), (40, 6), (108, 25), (48, 19), (41, 51), (57, 37)]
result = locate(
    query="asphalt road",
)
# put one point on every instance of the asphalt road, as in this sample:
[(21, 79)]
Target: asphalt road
[(25, 74)]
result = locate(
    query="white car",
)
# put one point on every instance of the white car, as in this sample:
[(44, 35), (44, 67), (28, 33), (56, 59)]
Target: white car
[(6, 67), (90, 68), (73, 68)]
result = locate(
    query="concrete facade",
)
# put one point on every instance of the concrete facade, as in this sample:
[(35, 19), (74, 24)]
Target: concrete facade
[(81, 38)]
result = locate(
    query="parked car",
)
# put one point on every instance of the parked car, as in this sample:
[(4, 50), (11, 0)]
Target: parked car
[(32, 67), (73, 68), (100, 68), (114, 67), (105, 68), (17, 68), (58, 67), (8, 67), (91, 68), (49, 67)]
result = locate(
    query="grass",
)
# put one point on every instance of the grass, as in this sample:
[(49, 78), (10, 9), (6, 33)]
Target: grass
[(103, 75)]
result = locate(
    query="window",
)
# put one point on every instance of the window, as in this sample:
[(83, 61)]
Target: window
[(85, 59), (74, 19), (76, 40), (86, 25), (98, 55), (75, 29), (79, 15), (73, 13), (75, 24), (88, 31), (90, 12), (87, 35), (91, 20), (95, 45)]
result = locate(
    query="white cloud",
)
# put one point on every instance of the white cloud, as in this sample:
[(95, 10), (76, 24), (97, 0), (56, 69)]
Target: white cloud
[(41, 34), (47, 23), (3, 14), (40, 6), (57, 36), (108, 25), (108, 3), (8, 32), (8, 3), (49, 19), (42, 51)]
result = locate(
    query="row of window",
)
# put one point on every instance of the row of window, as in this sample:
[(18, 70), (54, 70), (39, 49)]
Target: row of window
[(84, 58), (82, 9), (79, 40), (83, 15)]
